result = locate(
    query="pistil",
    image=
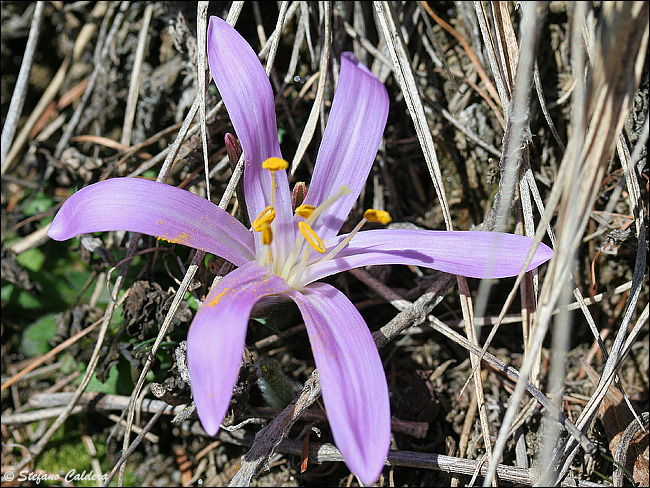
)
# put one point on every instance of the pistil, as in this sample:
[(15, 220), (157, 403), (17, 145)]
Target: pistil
[(295, 276), (343, 190), (272, 164), (310, 213), (315, 242)]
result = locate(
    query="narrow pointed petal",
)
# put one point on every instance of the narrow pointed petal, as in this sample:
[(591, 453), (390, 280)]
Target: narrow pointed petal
[(156, 209), (352, 378), (350, 142), (246, 91), (467, 253), (215, 341)]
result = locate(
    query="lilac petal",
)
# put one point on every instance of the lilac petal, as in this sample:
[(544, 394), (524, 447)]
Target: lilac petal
[(246, 91), (156, 209), (352, 378), (466, 253), (350, 142), (215, 341)]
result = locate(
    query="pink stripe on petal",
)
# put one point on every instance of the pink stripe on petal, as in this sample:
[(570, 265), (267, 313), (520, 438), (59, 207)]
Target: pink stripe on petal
[(350, 142), (467, 253), (156, 209), (215, 341), (246, 91), (352, 378)]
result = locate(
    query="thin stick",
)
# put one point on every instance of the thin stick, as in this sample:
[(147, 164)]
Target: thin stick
[(470, 332), (201, 31), (325, 452), (136, 443), (136, 74), (310, 126), (404, 74), (494, 96), (20, 90), (49, 355), (99, 67), (191, 270)]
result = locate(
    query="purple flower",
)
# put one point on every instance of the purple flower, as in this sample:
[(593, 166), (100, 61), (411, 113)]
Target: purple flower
[(289, 249)]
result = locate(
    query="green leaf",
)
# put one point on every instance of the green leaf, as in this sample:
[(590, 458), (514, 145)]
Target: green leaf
[(12, 294), (191, 301), (36, 337), (119, 380), (32, 259), (39, 204), (68, 363)]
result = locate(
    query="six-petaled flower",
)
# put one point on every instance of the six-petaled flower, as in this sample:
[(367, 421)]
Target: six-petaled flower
[(289, 249)]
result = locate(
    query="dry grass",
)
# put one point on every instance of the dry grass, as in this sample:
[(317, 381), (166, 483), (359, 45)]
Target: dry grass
[(530, 120)]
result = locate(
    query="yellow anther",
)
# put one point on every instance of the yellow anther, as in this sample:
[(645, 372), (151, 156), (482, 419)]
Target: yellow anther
[(311, 237), (305, 211), (275, 164), (381, 216), (267, 235), (265, 217)]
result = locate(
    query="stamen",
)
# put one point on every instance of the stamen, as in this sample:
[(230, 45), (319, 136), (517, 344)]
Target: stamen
[(233, 149), (275, 164), (267, 239), (297, 276), (265, 217), (299, 193), (305, 211), (267, 235), (370, 215), (344, 242), (269, 260), (311, 237), (343, 190), (381, 216), (297, 246)]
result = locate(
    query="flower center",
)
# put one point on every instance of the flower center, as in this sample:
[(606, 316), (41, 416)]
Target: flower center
[(310, 214), (293, 268)]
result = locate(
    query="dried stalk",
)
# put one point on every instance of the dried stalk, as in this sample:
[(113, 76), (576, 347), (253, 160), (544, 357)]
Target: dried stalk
[(20, 90)]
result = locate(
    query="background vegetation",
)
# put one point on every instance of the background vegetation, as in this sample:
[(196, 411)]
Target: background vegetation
[(529, 118)]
